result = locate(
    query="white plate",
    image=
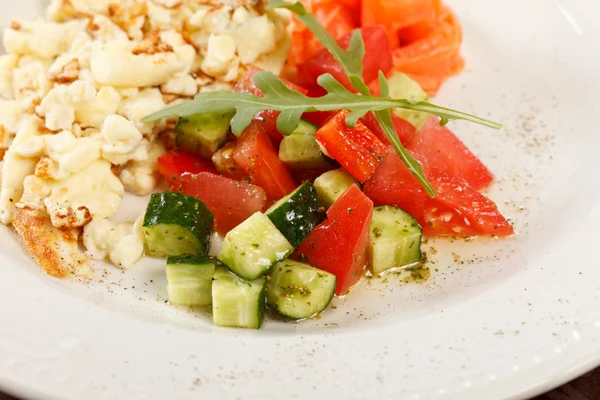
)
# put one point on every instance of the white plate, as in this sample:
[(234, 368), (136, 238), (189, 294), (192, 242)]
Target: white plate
[(498, 319)]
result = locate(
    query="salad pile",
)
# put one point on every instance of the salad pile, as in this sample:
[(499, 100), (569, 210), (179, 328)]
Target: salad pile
[(311, 185)]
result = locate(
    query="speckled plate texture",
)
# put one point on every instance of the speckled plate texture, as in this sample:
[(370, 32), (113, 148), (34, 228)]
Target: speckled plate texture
[(497, 319)]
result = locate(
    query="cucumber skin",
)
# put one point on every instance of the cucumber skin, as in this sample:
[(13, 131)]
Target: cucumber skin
[(296, 225), (181, 210), (271, 295)]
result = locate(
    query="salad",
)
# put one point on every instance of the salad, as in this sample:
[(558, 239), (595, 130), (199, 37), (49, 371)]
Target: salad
[(334, 169), (285, 188)]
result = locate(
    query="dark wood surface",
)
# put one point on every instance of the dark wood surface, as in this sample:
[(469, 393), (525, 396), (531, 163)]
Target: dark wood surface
[(585, 388)]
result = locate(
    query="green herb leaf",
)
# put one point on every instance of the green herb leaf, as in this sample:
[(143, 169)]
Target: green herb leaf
[(385, 120), (351, 61), (293, 104)]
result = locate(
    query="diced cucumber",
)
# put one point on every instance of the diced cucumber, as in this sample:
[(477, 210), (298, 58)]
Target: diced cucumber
[(302, 151), (305, 128), (299, 291), (297, 214), (203, 134), (332, 184), (189, 280), (251, 248), (177, 224), (237, 303), (394, 240), (403, 87)]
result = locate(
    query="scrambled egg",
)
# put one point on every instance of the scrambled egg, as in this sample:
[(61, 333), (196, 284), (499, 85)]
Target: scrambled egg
[(73, 89)]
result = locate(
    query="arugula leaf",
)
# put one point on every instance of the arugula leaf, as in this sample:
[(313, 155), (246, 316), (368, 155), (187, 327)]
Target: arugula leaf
[(384, 118), (350, 60), (293, 104)]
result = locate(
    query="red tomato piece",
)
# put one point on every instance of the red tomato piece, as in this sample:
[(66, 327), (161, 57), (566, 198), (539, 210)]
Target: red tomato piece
[(177, 162), (460, 210), (457, 210), (445, 152), (257, 156), (268, 118), (393, 184), (406, 132), (231, 202), (357, 149), (226, 164), (378, 57), (340, 244)]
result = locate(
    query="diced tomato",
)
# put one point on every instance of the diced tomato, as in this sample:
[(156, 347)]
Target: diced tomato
[(378, 57), (445, 152), (339, 245), (406, 132), (231, 202), (393, 184), (457, 210), (177, 162), (318, 118), (226, 164), (257, 156), (267, 118), (460, 210), (351, 4), (357, 149)]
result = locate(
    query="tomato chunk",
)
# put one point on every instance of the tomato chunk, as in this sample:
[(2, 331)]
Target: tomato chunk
[(405, 130), (340, 244), (177, 162), (231, 202), (267, 118), (226, 164), (378, 57), (457, 210), (357, 149), (393, 184), (445, 152), (460, 210), (257, 156)]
